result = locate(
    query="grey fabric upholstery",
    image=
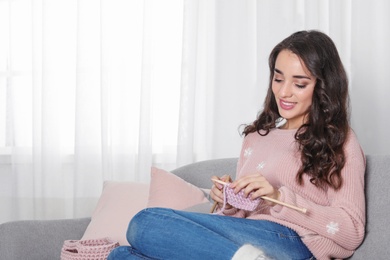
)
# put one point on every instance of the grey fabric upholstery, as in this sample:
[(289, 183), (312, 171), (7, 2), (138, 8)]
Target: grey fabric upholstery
[(200, 173), (43, 239), (375, 244), (38, 240)]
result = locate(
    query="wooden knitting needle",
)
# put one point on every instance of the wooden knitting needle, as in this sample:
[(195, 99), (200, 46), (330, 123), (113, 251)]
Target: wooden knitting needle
[(303, 210)]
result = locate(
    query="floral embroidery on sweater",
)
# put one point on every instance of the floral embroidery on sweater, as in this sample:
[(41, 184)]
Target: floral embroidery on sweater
[(248, 152), (332, 227), (260, 166)]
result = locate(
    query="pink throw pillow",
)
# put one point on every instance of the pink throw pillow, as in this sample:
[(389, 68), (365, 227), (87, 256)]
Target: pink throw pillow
[(117, 205), (120, 201), (170, 191)]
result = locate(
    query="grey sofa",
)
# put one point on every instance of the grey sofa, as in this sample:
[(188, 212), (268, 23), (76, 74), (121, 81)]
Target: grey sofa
[(40, 240)]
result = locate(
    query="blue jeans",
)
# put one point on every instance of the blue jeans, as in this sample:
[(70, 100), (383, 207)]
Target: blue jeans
[(159, 233)]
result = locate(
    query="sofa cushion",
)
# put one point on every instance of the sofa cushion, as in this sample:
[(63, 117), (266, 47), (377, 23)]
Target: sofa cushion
[(38, 239), (170, 191), (199, 173), (118, 203), (375, 244)]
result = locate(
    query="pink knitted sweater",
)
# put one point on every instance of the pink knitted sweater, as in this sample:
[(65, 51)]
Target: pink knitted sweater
[(334, 224)]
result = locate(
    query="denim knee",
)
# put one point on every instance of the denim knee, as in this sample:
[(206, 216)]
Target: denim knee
[(133, 227), (143, 219)]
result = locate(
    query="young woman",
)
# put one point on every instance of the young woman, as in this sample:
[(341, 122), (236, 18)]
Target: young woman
[(301, 151)]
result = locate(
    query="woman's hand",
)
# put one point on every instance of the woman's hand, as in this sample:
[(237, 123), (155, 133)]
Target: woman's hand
[(216, 192), (257, 184)]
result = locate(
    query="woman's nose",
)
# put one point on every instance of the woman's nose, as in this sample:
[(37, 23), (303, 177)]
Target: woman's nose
[(286, 89)]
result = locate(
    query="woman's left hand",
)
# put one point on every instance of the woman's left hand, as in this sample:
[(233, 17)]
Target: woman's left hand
[(257, 184)]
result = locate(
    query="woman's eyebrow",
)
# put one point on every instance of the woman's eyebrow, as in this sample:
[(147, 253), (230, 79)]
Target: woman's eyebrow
[(295, 76), (278, 71)]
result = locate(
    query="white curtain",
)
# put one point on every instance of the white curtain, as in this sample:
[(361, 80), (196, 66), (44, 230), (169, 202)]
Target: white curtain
[(101, 90), (90, 91)]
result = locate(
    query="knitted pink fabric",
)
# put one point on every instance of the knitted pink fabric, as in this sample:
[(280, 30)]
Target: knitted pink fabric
[(239, 200), (91, 249)]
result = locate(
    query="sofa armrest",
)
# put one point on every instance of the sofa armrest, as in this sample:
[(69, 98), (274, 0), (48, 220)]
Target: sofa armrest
[(38, 239)]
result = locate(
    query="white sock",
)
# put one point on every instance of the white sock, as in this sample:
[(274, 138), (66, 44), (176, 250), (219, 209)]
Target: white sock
[(249, 252)]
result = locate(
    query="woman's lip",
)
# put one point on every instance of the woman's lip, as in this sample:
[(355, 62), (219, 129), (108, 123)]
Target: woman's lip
[(286, 105)]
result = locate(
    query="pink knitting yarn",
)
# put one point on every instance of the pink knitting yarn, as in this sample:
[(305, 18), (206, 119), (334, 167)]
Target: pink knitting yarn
[(91, 249)]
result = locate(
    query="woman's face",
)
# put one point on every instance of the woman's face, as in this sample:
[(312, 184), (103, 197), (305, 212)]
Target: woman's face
[(293, 87)]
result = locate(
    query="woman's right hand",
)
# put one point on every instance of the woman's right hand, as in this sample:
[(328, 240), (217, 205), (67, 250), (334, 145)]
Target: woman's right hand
[(216, 192)]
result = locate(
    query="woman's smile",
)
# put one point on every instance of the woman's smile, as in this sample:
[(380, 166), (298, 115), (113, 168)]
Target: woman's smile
[(286, 105)]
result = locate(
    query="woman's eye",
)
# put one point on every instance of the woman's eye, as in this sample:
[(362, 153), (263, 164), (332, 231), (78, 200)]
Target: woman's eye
[(278, 80), (300, 86)]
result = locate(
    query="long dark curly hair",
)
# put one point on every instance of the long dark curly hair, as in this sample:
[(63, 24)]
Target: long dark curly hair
[(321, 138)]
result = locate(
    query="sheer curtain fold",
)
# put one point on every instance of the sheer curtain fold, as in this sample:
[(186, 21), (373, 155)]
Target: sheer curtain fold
[(102, 90), (197, 82)]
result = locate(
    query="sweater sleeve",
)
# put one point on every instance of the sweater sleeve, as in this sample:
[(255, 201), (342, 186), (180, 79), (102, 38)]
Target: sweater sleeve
[(342, 220)]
